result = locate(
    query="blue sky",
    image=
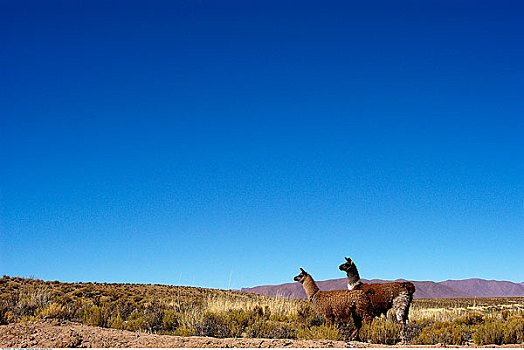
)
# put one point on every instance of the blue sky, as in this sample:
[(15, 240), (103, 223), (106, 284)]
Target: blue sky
[(227, 143)]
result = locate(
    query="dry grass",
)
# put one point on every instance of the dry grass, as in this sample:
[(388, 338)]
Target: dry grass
[(210, 312), (278, 306), (451, 309)]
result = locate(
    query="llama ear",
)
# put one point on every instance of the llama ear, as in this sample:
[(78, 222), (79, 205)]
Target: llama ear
[(348, 259), (301, 269)]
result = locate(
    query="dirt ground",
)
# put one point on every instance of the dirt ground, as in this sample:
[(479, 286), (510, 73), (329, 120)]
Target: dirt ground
[(64, 334)]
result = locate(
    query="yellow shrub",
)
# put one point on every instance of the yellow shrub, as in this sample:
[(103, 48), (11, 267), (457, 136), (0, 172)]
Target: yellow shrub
[(514, 330), (319, 332), (271, 329), (29, 319), (9, 317), (471, 318), (116, 322), (136, 322), (380, 331), (489, 333), (183, 332), (442, 333), (170, 320), (92, 316), (53, 310)]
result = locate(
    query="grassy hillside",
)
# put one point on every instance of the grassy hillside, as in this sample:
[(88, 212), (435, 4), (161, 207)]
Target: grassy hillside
[(210, 312)]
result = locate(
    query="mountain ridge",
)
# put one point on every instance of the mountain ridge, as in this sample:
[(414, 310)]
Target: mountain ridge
[(465, 288)]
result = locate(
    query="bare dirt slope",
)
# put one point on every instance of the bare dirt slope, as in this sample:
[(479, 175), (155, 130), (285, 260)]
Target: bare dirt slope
[(62, 334), (69, 334)]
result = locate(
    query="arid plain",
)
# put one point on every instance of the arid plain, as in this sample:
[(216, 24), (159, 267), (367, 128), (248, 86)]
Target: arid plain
[(37, 313)]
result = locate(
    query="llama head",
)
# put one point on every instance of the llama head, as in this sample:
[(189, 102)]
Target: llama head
[(301, 277), (349, 266)]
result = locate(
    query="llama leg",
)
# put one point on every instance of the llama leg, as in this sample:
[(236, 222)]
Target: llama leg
[(357, 321), (354, 335), (406, 310), (329, 321), (401, 306)]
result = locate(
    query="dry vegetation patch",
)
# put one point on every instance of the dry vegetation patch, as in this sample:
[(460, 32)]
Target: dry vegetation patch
[(189, 311)]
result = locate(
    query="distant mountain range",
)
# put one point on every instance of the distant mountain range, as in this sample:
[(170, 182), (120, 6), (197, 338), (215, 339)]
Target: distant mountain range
[(468, 288)]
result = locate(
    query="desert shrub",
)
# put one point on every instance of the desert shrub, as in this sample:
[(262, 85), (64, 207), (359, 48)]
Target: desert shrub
[(308, 317), (319, 332), (190, 321), (125, 308), (491, 332), (136, 322), (258, 312), (514, 330), (505, 314), (116, 322), (414, 328), (214, 325), (9, 310), (442, 332), (105, 299), (469, 319), (9, 317), (92, 316), (280, 318), (6, 315), (53, 310), (3, 311), (183, 332), (65, 299), (29, 319), (30, 299), (170, 320), (256, 321), (154, 315), (381, 331), (280, 331), (243, 323), (271, 329), (238, 320), (96, 315), (499, 332), (72, 311)]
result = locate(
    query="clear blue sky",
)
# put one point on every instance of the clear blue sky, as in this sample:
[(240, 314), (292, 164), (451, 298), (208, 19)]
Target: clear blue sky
[(217, 143)]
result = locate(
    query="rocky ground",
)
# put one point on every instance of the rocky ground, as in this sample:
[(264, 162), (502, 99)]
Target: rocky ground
[(63, 334)]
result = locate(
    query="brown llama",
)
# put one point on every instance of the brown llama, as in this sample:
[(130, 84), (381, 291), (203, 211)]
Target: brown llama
[(338, 305), (396, 295)]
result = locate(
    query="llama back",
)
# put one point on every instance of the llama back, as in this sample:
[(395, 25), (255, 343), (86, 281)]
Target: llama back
[(342, 303), (385, 294), (381, 300)]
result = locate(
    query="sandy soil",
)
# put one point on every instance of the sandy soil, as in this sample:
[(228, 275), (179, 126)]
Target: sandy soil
[(62, 334), (69, 334)]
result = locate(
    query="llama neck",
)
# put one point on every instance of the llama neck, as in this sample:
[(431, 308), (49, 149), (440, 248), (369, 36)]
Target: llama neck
[(354, 281), (310, 286)]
